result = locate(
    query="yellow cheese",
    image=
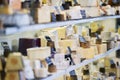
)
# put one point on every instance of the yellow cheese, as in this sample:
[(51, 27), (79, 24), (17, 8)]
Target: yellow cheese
[(94, 27), (107, 62), (86, 52), (14, 62), (5, 10), (61, 32), (102, 48), (12, 76), (63, 44), (43, 41), (38, 53), (119, 30)]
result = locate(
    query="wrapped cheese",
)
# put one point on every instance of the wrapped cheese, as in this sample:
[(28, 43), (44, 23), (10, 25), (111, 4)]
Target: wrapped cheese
[(14, 62), (102, 48), (38, 53), (89, 2), (42, 15), (63, 44), (92, 11), (86, 52)]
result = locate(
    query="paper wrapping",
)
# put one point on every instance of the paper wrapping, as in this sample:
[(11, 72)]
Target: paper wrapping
[(14, 62), (38, 53), (86, 52), (63, 44)]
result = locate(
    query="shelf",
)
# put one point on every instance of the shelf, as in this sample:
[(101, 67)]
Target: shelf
[(60, 73), (56, 24)]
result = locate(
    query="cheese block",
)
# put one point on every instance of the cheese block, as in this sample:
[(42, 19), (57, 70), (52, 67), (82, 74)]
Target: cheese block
[(94, 27), (92, 11), (41, 72), (63, 44), (43, 41), (12, 75), (14, 62), (61, 32), (5, 10), (102, 48), (89, 2), (38, 53), (74, 14), (42, 15), (106, 36), (0, 65), (107, 62), (78, 30), (86, 52)]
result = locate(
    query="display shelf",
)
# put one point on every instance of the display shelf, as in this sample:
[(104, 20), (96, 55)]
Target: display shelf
[(85, 62), (56, 24)]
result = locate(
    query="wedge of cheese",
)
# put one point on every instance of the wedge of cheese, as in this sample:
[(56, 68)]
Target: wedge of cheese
[(102, 48), (63, 44), (92, 11), (89, 3), (14, 62), (61, 32), (38, 53), (87, 53), (42, 15), (12, 76)]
